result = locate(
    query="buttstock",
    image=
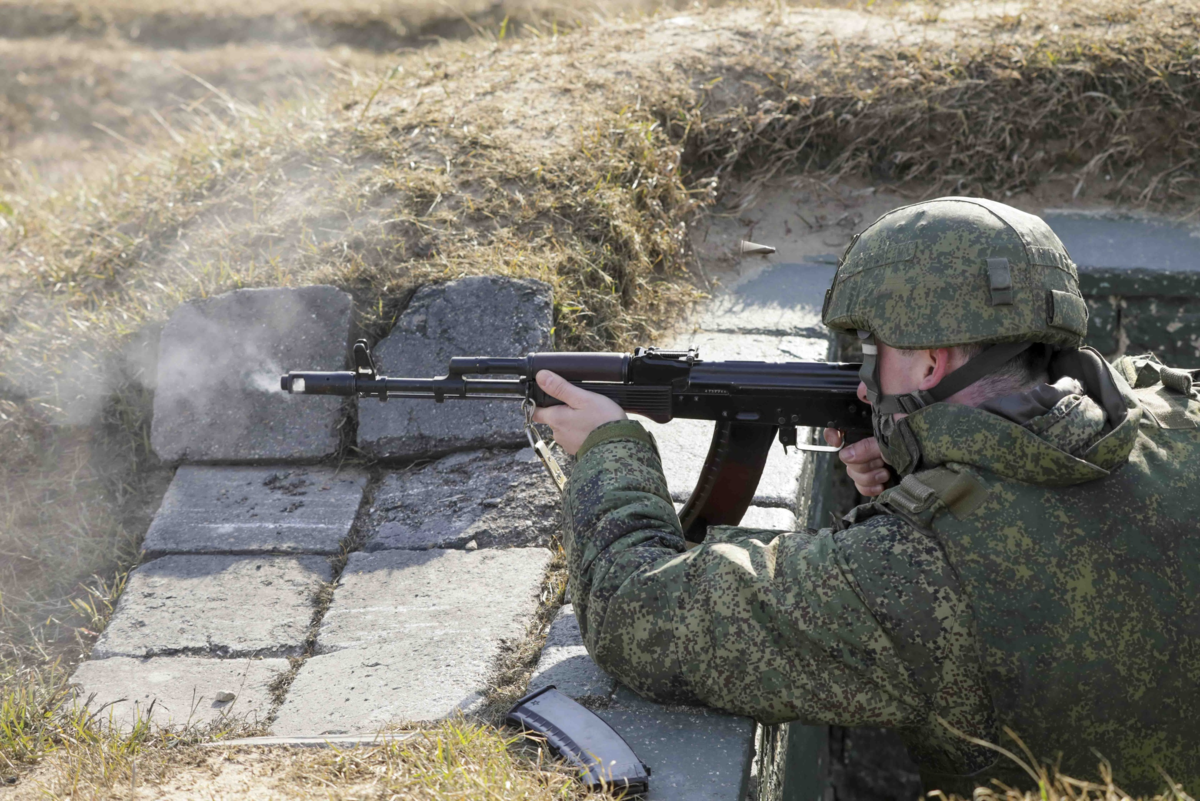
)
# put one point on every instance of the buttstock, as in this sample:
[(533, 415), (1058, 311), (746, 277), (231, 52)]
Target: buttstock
[(730, 476)]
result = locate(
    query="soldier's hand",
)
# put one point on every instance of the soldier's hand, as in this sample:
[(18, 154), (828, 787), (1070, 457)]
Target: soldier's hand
[(582, 411), (864, 462)]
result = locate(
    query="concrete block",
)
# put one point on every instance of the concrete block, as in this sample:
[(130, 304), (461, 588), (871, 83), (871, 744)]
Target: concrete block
[(177, 691), (226, 606), (774, 519), (1112, 239), (683, 444), (695, 754), (476, 316), (494, 498), (279, 509), (219, 362), (412, 635), (780, 299), (767, 517), (565, 662)]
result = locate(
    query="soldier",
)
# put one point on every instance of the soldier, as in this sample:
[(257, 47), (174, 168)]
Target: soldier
[(1036, 567)]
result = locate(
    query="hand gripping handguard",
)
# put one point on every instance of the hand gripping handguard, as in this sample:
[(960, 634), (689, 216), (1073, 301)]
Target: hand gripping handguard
[(752, 403), (580, 736)]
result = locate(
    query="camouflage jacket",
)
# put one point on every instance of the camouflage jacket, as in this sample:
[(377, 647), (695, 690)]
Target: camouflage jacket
[(876, 624)]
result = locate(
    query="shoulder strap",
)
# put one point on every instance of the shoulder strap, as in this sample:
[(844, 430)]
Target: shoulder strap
[(917, 493)]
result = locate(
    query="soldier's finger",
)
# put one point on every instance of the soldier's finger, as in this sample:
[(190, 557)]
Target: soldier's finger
[(860, 475), (553, 416), (870, 490), (864, 450), (833, 437), (558, 387)]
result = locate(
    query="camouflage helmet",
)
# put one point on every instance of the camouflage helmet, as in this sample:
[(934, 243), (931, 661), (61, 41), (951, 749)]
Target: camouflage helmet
[(958, 271)]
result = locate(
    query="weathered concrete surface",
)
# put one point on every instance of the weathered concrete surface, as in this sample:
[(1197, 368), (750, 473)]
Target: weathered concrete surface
[(1141, 278), (177, 691), (494, 498), (225, 606), (774, 519), (565, 663), (780, 299), (218, 396), (412, 635), (683, 444), (278, 509), (695, 754), (476, 316), (1110, 239)]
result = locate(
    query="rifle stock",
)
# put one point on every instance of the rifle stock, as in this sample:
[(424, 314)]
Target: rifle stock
[(752, 403)]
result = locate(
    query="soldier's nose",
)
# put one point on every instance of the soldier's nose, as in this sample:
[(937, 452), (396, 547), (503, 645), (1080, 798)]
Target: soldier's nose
[(862, 392)]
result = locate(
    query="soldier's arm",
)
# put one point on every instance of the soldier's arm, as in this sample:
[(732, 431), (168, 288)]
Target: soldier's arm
[(860, 627)]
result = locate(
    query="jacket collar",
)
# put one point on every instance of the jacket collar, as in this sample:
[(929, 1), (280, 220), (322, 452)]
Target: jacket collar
[(965, 435)]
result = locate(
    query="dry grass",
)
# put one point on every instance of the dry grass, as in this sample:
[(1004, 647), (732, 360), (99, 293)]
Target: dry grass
[(452, 759), (1105, 96)]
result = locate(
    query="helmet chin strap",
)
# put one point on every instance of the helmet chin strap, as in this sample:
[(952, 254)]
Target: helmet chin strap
[(897, 442), (982, 365)]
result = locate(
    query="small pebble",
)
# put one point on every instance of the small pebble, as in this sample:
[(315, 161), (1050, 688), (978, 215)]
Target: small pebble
[(472, 546), (224, 697)]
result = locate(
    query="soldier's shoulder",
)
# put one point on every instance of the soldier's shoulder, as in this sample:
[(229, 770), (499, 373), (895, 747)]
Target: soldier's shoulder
[(886, 534)]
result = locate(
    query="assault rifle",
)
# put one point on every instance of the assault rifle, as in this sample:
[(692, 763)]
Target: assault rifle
[(751, 402)]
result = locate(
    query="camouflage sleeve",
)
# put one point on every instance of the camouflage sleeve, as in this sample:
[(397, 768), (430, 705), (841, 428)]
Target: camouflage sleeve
[(863, 627)]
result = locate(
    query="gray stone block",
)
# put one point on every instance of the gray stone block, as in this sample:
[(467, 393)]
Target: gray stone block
[(781, 299), (695, 754), (476, 316), (772, 518), (1113, 239), (225, 606), (412, 635), (683, 444), (494, 498), (219, 362), (177, 691), (565, 662), (278, 509)]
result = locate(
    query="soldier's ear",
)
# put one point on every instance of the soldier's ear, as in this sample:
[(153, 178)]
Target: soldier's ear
[(934, 365)]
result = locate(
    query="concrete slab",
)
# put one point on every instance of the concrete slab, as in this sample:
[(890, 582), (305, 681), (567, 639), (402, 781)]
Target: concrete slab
[(278, 509), (683, 444), (412, 635), (475, 316), (224, 606), (177, 691), (779, 299), (565, 663), (219, 362), (1112, 239), (496, 499), (695, 754)]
